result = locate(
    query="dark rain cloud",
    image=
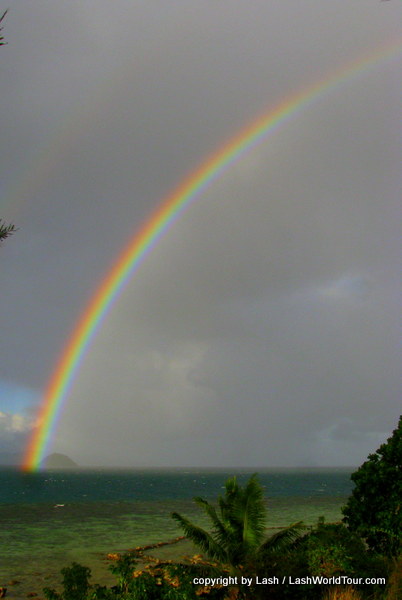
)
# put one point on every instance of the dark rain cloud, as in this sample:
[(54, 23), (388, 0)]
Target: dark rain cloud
[(261, 329)]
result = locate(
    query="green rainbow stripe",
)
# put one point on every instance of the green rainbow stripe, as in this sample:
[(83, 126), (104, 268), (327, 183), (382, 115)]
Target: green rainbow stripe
[(145, 240)]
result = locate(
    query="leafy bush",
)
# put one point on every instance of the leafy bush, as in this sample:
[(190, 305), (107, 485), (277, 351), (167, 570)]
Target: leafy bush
[(333, 550), (327, 559), (374, 509), (327, 550), (161, 581), (75, 584), (123, 569)]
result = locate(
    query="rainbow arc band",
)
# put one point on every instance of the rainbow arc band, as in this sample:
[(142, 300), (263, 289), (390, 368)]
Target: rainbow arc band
[(144, 240)]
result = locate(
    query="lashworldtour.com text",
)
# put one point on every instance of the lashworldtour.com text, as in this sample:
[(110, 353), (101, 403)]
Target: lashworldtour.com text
[(308, 580)]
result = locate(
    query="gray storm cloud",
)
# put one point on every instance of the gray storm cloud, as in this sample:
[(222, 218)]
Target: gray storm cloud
[(261, 329)]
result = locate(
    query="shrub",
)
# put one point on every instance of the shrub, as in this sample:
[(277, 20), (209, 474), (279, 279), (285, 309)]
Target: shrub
[(374, 509), (75, 584)]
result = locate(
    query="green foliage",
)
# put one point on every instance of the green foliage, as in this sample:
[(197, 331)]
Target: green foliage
[(75, 584), (123, 569), (145, 587), (327, 560), (238, 540), (331, 549), (374, 509), (238, 527), (101, 592), (327, 550), (170, 583)]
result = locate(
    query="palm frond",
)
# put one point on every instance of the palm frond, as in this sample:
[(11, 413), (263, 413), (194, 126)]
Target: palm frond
[(231, 487), (283, 540), (6, 230), (221, 530), (201, 538), (252, 512), (2, 43)]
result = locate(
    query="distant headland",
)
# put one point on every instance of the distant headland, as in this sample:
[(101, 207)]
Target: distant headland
[(58, 461)]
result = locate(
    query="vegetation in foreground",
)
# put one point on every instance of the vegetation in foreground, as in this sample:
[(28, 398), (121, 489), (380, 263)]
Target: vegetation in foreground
[(238, 539), (374, 510), (327, 550), (366, 545)]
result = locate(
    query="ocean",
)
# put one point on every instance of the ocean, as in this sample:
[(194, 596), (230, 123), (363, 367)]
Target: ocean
[(52, 518)]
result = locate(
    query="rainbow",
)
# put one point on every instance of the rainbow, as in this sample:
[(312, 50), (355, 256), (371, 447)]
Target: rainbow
[(148, 236)]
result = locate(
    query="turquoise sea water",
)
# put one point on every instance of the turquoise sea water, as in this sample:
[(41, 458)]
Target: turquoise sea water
[(52, 518)]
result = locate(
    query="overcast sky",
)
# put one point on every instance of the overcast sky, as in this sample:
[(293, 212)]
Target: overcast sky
[(263, 328)]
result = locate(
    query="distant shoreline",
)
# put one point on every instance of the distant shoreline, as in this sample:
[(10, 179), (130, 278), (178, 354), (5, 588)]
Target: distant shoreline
[(139, 469)]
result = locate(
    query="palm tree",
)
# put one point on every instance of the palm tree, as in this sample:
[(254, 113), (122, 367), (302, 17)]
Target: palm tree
[(238, 540)]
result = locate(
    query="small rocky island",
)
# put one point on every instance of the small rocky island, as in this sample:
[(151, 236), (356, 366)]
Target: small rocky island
[(58, 461)]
